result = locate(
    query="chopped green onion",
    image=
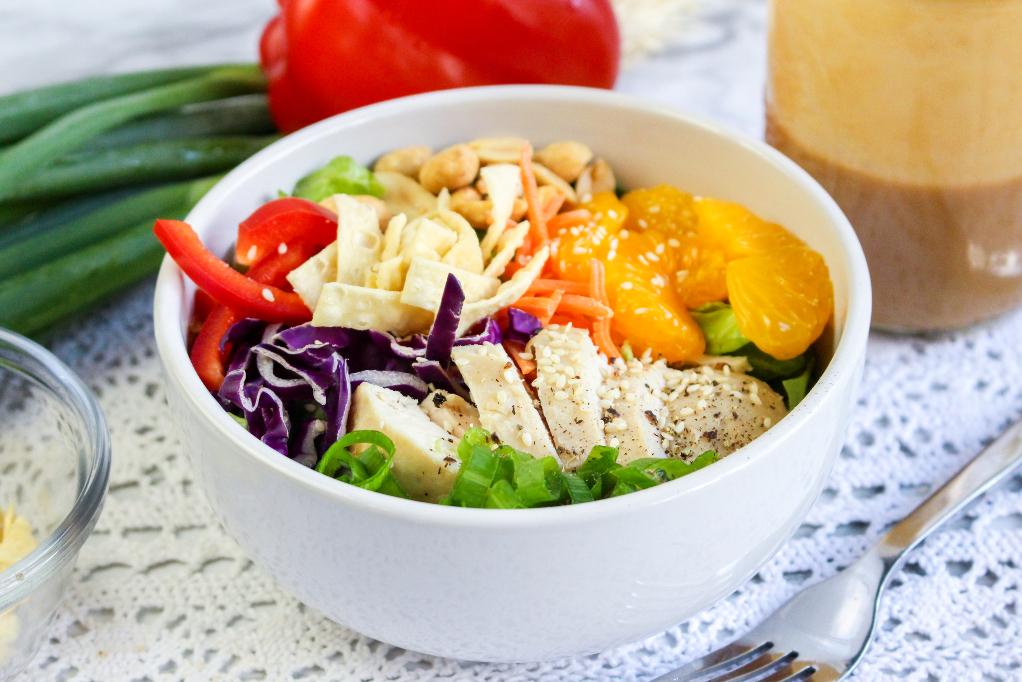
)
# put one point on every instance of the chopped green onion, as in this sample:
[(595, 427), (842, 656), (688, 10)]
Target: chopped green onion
[(575, 489), (538, 482), (502, 496), (74, 129), (472, 484), (337, 456), (670, 469), (601, 459), (720, 327), (627, 480), (343, 175), (796, 388), (626, 351)]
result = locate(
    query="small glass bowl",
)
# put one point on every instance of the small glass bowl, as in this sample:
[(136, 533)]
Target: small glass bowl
[(54, 466)]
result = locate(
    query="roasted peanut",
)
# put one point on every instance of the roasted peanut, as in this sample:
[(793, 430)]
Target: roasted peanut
[(382, 212), (498, 149), (519, 210), (453, 168), (547, 178), (407, 161), (597, 177), (566, 159), (603, 177), (472, 207)]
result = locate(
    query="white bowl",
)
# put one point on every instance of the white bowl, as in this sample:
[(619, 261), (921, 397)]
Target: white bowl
[(524, 585)]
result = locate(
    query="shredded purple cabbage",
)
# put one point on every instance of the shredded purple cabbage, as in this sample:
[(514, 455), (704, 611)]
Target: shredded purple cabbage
[(521, 326), (294, 385)]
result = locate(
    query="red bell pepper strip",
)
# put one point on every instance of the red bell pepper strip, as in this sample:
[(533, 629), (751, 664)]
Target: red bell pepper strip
[(284, 221), (206, 357), (273, 269), (322, 57), (229, 287)]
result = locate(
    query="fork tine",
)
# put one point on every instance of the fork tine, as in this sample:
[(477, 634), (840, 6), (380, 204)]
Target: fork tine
[(715, 671), (769, 669), (802, 675)]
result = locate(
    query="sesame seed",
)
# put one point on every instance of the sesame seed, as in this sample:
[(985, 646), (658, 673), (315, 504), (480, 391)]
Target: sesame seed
[(659, 249), (654, 209), (606, 404), (560, 395), (613, 243), (461, 362), (525, 356), (630, 397), (501, 397), (527, 439), (652, 256), (543, 362), (623, 234), (641, 311), (268, 295), (509, 374), (767, 422), (643, 260), (686, 411), (614, 442), (578, 251), (612, 213), (561, 380), (673, 243), (611, 255), (252, 252), (702, 404), (518, 390), (643, 224), (756, 400), (627, 286)]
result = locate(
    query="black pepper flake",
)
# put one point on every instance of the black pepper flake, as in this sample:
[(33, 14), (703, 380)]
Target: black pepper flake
[(734, 414), (612, 412), (710, 435), (450, 459), (513, 411), (439, 399), (717, 415), (651, 417)]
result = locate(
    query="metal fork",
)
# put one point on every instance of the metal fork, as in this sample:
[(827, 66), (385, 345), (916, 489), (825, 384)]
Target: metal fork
[(822, 633)]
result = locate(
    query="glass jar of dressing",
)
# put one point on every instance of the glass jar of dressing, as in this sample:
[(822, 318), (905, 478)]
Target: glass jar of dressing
[(909, 112)]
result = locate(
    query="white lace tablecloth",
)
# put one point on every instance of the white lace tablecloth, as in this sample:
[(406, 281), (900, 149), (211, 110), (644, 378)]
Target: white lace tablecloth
[(162, 593)]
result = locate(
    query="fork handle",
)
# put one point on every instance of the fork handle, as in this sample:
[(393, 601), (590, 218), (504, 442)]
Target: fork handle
[(985, 471)]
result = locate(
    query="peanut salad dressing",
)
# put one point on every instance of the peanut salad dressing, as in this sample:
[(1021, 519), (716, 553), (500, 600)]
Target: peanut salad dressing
[(909, 112)]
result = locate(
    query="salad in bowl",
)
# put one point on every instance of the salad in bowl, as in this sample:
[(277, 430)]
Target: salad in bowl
[(496, 326)]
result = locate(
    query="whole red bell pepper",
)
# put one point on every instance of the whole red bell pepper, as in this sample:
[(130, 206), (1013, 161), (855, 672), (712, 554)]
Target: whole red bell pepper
[(230, 288), (322, 57), (284, 221)]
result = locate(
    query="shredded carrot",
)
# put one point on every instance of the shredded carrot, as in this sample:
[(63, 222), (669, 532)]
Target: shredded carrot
[(541, 308), (568, 219), (577, 321), (552, 206), (601, 325), (584, 305), (515, 350), (542, 287), (537, 219)]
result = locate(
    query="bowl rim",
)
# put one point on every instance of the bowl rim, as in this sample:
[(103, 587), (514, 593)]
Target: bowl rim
[(844, 364), (61, 546)]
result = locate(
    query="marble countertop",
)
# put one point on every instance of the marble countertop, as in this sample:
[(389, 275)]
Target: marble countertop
[(160, 593)]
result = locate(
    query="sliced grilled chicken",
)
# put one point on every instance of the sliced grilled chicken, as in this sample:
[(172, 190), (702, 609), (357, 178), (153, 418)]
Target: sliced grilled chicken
[(717, 410), (505, 407), (451, 412), (568, 377), (425, 461), (633, 402)]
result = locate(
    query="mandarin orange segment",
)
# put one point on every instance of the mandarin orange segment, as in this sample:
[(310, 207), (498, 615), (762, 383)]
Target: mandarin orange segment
[(782, 299), (662, 208), (646, 309), (739, 232)]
